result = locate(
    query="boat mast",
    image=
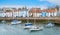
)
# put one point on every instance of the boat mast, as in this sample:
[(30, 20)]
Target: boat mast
[(27, 15), (35, 17)]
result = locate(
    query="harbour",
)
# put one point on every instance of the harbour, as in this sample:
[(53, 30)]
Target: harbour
[(6, 29), (29, 20)]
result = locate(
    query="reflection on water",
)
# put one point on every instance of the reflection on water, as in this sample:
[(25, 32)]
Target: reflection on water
[(6, 29)]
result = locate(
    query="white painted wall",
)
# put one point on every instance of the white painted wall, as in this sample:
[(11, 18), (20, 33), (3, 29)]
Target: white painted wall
[(9, 14), (2, 14), (37, 14), (15, 14), (24, 14), (20, 14), (55, 13), (51, 14), (34, 15)]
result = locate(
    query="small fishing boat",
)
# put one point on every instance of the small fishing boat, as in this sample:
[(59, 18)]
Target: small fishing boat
[(34, 28), (28, 25), (3, 22), (15, 22), (49, 25)]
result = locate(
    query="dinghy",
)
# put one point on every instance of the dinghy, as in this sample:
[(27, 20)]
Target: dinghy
[(28, 25), (15, 22), (34, 28), (3, 22), (49, 25)]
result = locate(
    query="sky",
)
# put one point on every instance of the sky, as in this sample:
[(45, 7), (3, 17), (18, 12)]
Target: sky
[(45, 3), (53, 1)]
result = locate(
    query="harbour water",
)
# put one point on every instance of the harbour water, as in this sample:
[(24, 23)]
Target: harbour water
[(7, 29)]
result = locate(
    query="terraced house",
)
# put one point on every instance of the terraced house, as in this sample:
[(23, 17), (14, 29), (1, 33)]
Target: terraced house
[(51, 12), (32, 12), (35, 12)]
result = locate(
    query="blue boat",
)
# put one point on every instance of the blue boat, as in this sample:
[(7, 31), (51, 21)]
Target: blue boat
[(28, 25)]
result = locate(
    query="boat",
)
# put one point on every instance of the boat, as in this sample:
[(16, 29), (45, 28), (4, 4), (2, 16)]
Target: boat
[(3, 22), (34, 28), (16, 22), (28, 25), (49, 25)]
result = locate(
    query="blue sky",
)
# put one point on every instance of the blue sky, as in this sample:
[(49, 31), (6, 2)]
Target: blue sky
[(26, 2)]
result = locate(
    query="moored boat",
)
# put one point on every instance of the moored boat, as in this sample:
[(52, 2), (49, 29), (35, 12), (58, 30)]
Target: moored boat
[(34, 28), (16, 22), (28, 25), (3, 22), (49, 25)]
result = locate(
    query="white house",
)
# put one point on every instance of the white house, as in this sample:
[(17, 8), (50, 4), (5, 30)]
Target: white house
[(9, 14), (2, 14), (15, 14), (23, 14), (51, 13), (35, 12), (20, 14)]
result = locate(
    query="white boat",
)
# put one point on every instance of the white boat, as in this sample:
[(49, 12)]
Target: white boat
[(16, 22), (3, 21), (28, 25), (34, 28), (49, 25)]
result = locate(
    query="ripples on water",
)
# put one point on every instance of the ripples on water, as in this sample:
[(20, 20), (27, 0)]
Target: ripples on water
[(6, 29)]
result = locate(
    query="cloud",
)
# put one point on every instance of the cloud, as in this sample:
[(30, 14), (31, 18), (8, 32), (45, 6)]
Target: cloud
[(54, 1), (57, 2)]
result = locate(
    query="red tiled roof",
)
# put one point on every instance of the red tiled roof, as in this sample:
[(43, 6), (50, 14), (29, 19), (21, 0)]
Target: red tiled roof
[(51, 10), (35, 10)]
